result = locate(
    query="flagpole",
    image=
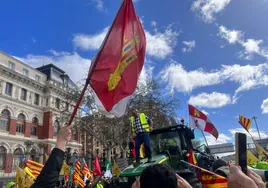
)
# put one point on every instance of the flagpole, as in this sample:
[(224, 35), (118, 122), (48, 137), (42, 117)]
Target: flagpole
[(90, 72), (204, 137), (254, 117)]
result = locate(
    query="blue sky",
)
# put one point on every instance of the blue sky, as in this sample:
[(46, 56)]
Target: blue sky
[(212, 53)]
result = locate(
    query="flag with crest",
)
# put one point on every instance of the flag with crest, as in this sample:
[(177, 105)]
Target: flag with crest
[(115, 70)]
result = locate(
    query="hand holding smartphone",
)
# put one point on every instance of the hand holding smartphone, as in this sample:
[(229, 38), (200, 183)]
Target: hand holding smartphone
[(241, 151)]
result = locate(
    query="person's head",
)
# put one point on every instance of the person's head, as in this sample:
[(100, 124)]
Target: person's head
[(11, 185), (158, 176), (135, 112)]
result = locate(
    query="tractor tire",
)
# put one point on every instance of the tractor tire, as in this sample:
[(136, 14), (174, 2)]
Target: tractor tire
[(191, 178)]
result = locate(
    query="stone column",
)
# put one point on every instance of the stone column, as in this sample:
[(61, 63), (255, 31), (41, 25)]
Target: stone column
[(27, 132), (12, 126), (8, 163)]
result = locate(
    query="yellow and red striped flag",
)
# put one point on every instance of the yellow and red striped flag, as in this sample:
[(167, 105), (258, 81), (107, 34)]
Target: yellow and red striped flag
[(85, 170), (78, 179), (78, 168), (35, 167), (245, 122)]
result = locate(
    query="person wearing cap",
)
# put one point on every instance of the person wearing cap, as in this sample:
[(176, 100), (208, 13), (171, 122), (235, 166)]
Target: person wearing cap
[(11, 185)]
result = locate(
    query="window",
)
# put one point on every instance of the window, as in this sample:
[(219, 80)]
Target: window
[(9, 87), (57, 103), (34, 126), (23, 94), (56, 127), (67, 106), (11, 65), (3, 152), (36, 99), (20, 128), (4, 120), (17, 157), (37, 78), (26, 72), (47, 100)]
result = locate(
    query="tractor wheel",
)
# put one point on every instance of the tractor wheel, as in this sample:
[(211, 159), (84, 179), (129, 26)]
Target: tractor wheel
[(190, 177)]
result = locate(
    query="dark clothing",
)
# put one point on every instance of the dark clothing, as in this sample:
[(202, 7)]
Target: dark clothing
[(139, 139), (49, 176)]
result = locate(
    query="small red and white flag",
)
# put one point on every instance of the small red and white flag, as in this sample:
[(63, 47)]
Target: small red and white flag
[(116, 68), (199, 120)]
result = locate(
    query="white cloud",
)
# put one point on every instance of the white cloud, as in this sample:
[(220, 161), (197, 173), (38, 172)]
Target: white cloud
[(210, 100), (247, 76), (189, 45), (89, 42), (153, 23), (222, 139), (159, 45), (183, 81), (74, 65), (264, 106), (207, 9), (232, 36), (146, 74), (99, 5), (250, 46), (252, 131)]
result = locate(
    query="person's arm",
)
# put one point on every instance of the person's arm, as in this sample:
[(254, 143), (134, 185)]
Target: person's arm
[(49, 175), (150, 121)]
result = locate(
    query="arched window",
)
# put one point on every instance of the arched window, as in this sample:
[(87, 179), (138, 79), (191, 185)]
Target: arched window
[(56, 127), (3, 152), (17, 157), (4, 120), (34, 126), (20, 124), (33, 155)]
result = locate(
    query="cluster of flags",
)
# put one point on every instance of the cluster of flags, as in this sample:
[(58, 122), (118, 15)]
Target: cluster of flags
[(79, 173)]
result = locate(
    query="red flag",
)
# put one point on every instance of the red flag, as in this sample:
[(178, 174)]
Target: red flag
[(199, 120), (97, 169), (115, 70)]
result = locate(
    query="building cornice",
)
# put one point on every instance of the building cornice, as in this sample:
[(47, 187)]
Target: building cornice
[(21, 79)]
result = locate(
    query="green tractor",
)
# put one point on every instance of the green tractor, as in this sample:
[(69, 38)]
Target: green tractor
[(169, 146)]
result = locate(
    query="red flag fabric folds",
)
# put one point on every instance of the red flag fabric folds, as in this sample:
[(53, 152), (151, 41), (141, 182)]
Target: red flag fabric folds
[(115, 70), (97, 169)]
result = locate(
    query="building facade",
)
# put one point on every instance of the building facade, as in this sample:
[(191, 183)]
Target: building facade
[(32, 102)]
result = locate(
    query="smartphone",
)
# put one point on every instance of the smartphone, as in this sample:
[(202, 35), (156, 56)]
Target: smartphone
[(241, 151)]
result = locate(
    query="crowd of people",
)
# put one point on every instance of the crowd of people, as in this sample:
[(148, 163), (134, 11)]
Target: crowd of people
[(155, 176)]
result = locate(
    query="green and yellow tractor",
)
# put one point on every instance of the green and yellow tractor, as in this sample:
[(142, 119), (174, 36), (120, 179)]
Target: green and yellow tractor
[(169, 146)]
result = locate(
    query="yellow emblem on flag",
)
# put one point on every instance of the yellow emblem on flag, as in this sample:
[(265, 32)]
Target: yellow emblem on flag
[(196, 113), (116, 170), (125, 60)]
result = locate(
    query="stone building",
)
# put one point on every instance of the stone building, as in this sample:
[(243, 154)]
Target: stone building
[(31, 105)]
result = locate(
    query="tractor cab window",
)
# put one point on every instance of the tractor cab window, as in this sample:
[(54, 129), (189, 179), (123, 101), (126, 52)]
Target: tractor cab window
[(166, 142)]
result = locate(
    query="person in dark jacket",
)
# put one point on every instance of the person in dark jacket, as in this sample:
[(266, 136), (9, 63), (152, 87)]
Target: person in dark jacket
[(49, 175)]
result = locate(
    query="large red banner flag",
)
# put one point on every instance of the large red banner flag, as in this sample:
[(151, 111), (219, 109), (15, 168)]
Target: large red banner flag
[(115, 70), (199, 120)]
